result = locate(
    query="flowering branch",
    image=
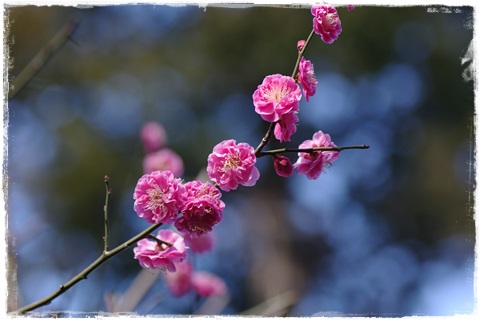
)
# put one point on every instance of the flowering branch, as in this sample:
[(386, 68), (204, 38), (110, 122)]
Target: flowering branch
[(102, 258), (268, 135), (301, 51), (309, 150), (196, 207)]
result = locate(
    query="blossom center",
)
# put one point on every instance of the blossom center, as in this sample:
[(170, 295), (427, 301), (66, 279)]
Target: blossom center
[(277, 93), (155, 196), (330, 20), (231, 161)]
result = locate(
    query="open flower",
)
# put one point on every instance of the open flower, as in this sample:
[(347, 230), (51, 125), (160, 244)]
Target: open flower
[(164, 159), (158, 197), (203, 209), (312, 164), (156, 254), (207, 284), (285, 127), (230, 165), (276, 96), (326, 22), (306, 76)]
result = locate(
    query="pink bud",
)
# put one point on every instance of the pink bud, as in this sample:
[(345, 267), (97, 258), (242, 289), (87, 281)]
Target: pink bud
[(300, 44), (350, 7), (282, 165), (153, 136)]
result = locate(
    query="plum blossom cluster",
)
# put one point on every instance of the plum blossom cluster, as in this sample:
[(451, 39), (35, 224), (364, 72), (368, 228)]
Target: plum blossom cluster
[(277, 100), (195, 207)]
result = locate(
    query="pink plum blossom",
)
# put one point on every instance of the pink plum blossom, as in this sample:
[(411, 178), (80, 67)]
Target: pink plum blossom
[(159, 196), (202, 210), (164, 159), (201, 244), (326, 22), (153, 136), (350, 7), (312, 164), (207, 284), (276, 96), (285, 127), (282, 165), (230, 165), (154, 254), (300, 45), (180, 282), (306, 76)]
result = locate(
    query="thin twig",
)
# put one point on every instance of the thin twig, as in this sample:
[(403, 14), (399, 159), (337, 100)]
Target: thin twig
[(265, 139), (43, 56), (83, 275), (301, 52), (159, 241), (108, 191), (309, 150)]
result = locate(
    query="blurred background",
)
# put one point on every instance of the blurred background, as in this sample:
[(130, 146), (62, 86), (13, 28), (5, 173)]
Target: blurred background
[(387, 231)]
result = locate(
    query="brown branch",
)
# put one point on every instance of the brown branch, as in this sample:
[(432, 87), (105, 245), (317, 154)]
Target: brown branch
[(83, 275), (43, 56)]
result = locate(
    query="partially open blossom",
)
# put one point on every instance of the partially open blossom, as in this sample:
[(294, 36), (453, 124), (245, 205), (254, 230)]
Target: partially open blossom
[(207, 284), (300, 45), (201, 244), (153, 254), (306, 76), (282, 165), (180, 282), (326, 22), (312, 164), (164, 159), (276, 96), (159, 196), (230, 165), (202, 210), (153, 136), (286, 127), (350, 7)]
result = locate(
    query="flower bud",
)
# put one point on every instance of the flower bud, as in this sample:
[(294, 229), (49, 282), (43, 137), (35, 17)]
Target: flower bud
[(300, 44), (282, 165)]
